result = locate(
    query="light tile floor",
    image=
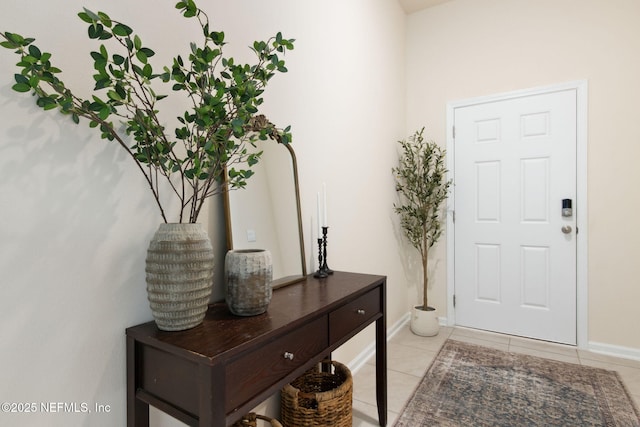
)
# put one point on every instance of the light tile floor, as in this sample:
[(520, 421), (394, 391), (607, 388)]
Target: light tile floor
[(409, 356)]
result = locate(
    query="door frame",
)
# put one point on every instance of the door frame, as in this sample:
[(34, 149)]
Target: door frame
[(582, 302)]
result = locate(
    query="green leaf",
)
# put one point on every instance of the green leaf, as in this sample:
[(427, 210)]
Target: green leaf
[(105, 19), (85, 17), (104, 112), (147, 52), (114, 96), (137, 70), (34, 81), (142, 57), (91, 15), (103, 52), (122, 30), (120, 90), (21, 87), (118, 59), (15, 38), (190, 9), (21, 79), (46, 103), (98, 58), (35, 52), (50, 106), (95, 31), (217, 37), (147, 71), (137, 43)]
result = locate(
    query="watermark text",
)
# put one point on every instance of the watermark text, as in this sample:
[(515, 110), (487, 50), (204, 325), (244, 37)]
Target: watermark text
[(54, 407)]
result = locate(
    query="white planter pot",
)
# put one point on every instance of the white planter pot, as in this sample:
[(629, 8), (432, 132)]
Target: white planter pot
[(425, 322)]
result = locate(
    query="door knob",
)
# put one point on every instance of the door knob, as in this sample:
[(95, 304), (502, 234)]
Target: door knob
[(566, 229)]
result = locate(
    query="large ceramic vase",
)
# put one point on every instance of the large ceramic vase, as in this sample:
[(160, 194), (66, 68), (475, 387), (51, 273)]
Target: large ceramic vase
[(425, 322), (179, 275), (248, 274)]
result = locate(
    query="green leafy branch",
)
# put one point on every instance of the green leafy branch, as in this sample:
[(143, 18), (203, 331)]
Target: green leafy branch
[(216, 134)]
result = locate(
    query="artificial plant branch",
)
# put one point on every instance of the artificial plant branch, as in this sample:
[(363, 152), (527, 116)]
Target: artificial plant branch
[(210, 137)]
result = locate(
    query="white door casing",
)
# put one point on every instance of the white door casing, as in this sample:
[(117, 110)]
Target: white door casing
[(515, 157)]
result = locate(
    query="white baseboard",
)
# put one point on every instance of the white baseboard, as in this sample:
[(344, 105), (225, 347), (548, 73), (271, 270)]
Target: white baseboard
[(370, 350), (614, 350)]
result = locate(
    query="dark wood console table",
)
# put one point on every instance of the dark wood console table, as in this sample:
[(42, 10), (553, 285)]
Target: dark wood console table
[(215, 373)]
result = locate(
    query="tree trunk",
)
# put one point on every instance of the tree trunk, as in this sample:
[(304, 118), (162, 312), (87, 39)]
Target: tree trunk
[(425, 279)]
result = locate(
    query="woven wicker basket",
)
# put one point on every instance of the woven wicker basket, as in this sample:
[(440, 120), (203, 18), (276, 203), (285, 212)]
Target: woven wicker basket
[(251, 420), (319, 398)]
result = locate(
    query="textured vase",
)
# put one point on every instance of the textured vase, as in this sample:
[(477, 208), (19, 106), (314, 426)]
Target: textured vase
[(179, 275), (248, 275)]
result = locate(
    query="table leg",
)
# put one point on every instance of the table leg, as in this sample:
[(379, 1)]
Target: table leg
[(137, 410), (212, 397), (381, 370)]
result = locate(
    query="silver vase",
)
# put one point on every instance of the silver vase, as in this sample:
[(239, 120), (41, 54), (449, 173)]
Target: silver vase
[(248, 274), (179, 275)]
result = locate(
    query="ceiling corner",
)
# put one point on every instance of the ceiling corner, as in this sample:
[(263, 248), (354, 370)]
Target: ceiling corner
[(411, 6)]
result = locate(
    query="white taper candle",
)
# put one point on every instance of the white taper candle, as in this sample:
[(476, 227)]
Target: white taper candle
[(319, 218), (324, 204)]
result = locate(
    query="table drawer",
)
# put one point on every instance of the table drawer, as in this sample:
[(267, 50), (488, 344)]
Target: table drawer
[(265, 366), (349, 318)]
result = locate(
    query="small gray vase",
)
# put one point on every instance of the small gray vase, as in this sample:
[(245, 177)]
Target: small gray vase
[(248, 274)]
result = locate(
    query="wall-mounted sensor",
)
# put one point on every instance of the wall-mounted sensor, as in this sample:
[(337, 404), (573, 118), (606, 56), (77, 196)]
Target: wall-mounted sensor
[(567, 209)]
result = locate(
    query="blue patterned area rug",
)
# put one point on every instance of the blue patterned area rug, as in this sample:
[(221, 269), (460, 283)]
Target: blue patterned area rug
[(470, 385)]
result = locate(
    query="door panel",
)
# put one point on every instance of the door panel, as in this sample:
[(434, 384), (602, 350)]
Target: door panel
[(515, 270)]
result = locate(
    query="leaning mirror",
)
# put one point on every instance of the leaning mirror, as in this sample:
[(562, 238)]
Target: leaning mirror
[(266, 213)]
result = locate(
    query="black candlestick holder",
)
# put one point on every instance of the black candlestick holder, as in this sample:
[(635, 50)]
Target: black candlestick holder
[(325, 267), (321, 274)]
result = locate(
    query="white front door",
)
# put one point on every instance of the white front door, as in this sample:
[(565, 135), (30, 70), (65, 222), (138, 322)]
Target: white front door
[(515, 252)]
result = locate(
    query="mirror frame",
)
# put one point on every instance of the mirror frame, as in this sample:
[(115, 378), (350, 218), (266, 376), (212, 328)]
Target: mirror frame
[(281, 281)]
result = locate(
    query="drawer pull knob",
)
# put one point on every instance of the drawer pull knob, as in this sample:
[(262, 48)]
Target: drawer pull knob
[(288, 356), (361, 312)]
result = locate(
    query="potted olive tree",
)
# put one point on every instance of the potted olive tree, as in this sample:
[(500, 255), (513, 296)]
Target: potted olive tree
[(183, 161), (422, 186)]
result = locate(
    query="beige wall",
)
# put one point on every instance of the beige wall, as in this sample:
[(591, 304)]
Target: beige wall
[(468, 48)]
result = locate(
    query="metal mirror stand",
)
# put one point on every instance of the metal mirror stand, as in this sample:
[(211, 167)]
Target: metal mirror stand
[(234, 213)]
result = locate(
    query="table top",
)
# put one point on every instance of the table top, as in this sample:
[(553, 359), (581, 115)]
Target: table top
[(222, 334)]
